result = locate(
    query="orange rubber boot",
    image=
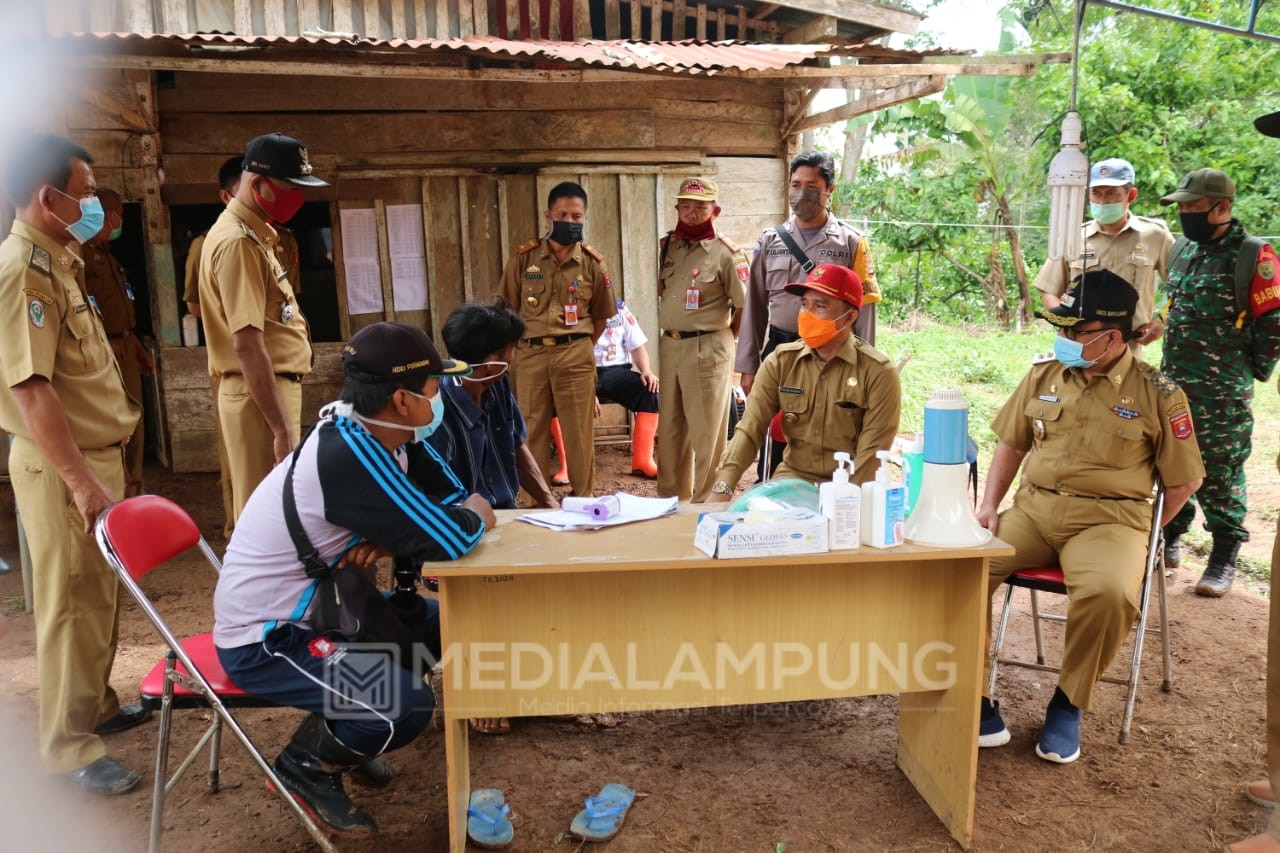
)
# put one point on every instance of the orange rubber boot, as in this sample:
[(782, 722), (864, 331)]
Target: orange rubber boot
[(561, 477), (642, 464)]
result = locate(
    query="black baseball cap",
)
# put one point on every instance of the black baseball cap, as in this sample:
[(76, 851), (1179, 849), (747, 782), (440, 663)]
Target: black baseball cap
[(1096, 295), (386, 352), (1268, 125), (281, 157)]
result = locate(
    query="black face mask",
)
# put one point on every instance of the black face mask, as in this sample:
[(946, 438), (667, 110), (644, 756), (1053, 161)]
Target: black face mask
[(566, 233), (1197, 228)]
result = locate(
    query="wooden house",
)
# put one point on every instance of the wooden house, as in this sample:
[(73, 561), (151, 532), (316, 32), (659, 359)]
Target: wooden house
[(441, 124)]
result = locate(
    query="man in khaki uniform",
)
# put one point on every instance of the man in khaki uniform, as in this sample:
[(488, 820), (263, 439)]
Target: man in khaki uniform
[(834, 391), (701, 286), (287, 254), (1096, 428), (65, 404), (564, 295), (257, 338), (1134, 247), (110, 290)]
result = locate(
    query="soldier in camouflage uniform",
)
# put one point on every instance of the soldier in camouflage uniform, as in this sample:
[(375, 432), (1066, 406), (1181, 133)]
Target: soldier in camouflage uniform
[(1214, 348)]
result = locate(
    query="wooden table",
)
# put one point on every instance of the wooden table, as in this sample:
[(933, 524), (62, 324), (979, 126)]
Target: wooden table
[(634, 618)]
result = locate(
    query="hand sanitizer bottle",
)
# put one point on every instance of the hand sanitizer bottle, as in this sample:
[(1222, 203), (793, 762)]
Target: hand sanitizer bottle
[(839, 501), (883, 508)]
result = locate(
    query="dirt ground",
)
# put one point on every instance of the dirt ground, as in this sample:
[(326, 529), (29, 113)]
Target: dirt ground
[(798, 777)]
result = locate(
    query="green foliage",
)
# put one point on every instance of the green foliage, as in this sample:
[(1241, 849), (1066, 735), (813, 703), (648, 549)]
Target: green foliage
[(1166, 96)]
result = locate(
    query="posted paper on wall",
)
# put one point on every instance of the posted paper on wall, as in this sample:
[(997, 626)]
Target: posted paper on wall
[(408, 257), (360, 260)]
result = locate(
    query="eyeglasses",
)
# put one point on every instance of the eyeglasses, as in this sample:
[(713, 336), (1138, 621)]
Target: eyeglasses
[(1073, 333)]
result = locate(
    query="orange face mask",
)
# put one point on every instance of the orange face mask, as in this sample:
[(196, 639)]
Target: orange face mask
[(816, 331)]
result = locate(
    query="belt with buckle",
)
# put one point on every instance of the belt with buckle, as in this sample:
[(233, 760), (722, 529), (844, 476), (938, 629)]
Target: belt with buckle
[(292, 377), (554, 340), (1065, 494), (680, 336)]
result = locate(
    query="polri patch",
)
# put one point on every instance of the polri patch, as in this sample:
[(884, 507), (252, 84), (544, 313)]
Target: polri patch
[(1126, 413), (36, 310), (1181, 424)]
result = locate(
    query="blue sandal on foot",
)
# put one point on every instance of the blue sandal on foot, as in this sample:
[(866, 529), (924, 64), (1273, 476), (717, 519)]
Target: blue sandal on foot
[(487, 823), (604, 814)]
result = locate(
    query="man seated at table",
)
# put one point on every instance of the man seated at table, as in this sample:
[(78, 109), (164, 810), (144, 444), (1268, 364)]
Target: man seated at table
[(482, 435), (834, 391), (1096, 427), (364, 487)]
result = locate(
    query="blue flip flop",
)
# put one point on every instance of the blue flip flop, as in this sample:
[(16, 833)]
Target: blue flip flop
[(487, 822), (604, 814)]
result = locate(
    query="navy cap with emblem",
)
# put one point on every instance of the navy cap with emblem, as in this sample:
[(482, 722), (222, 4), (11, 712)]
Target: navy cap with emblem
[(386, 352), (281, 157), (1096, 295)]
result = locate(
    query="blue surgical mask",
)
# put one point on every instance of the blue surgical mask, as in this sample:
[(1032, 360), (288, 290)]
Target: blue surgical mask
[(92, 218), (1107, 214), (422, 433), (1071, 353)]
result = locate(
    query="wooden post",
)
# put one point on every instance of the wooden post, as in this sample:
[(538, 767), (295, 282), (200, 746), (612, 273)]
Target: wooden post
[(442, 19), (741, 34), (343, 17), (655, 20), (581, 20), (480, 11), (702, 22), (613, 19), (384, 261), (340, 271), (399, 23), (466, 26), (635, 21), (273, 17), (433, 283), (679, 28), (372, 19), (175, 17), (720, 25), (420, 30), (513, 20), (243, 12)]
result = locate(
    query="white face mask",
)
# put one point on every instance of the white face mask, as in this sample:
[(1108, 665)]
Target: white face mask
[(343, 409), (504, 365)]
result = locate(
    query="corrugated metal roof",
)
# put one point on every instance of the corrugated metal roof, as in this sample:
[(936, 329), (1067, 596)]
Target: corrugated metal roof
[(689, 56)]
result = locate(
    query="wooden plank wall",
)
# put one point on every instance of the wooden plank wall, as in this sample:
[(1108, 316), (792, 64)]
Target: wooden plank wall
[(479, 157), (567, 20)]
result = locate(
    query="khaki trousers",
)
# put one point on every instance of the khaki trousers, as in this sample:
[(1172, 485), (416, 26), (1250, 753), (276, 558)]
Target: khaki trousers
[(560, 382), (695, 375), (1273, 688), (247, 437), (131, 371), (1101, 546), (75, 606), (224, 463)]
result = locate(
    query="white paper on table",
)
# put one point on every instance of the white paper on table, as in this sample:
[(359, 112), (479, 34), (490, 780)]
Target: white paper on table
[(360, 260), (634, 509)]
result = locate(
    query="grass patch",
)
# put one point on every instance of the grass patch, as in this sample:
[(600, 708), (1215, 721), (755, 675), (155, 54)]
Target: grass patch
[(13, 605)]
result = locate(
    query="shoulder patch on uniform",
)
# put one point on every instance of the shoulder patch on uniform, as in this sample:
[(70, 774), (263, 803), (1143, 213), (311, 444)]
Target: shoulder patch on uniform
[(732, 246), (527, 246), (40, 260), (36, 294), (592, 252), (1044, 358)]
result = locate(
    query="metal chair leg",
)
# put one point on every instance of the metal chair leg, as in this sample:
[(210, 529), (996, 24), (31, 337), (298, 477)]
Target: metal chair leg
[(215, 747), (1035, 626), (160, 785), (995, 647), (1167, 684)]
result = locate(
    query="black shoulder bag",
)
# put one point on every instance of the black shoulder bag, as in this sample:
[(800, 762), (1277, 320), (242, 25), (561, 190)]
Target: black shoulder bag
[(348, 601)]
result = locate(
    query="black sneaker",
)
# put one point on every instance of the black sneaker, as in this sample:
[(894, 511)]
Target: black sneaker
[(991, 728), (321, 794)]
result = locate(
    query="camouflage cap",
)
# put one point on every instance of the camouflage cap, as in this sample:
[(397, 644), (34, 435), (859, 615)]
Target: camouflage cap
[(1202, 183), (698, 189)]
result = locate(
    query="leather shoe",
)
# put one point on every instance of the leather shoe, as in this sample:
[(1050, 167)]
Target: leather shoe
[(126, 718), (106, 776)]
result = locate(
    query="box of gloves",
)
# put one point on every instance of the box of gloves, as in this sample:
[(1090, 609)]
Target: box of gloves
[(734, 535)]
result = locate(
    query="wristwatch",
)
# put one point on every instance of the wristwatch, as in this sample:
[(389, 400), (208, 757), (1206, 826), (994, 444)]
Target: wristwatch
[(720, 487)]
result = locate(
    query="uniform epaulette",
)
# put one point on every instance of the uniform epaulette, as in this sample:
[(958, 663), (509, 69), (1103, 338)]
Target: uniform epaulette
[(732, 246), (1161, 380), (527, 246), (1044, 358), (871, 352), (593, 253), (40, 260)]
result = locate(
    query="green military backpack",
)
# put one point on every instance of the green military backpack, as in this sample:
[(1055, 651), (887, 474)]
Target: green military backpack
[(1246, 262)]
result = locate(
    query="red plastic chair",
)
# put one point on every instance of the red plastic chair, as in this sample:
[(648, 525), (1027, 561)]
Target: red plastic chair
[(1049, 579), (136, 536)]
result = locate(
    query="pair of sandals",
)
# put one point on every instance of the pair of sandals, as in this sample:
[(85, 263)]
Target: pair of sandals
[(489, 816)]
